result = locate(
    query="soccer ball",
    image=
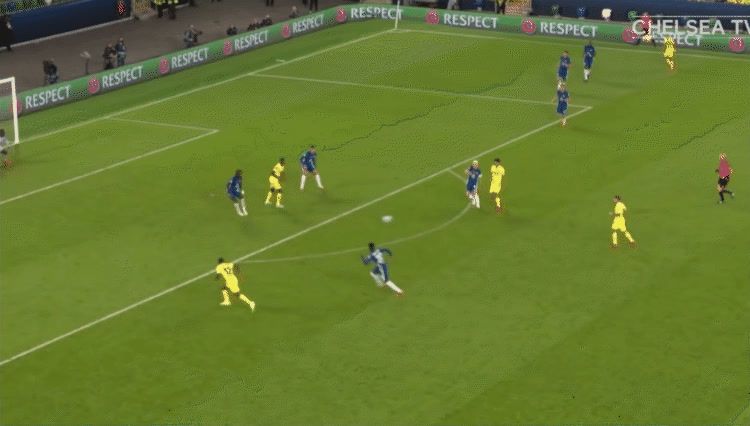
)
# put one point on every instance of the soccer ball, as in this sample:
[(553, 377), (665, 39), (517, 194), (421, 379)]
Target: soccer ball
[(387, 219)]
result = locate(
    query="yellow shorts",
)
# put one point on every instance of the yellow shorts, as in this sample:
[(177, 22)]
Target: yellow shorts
[(233, 285), (668, 54), (619, 225), (494, 188), (274, 182)]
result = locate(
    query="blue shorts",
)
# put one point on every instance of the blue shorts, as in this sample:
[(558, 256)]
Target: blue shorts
[(562, 108), (382, 270), (471, 187), (562, 75), (309, 167), (587, 63), (235, 197)]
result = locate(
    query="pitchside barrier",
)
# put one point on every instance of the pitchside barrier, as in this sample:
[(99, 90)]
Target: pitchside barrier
[(104, 82)]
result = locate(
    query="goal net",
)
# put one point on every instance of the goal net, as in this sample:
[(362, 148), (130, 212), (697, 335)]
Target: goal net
[(9, 109)]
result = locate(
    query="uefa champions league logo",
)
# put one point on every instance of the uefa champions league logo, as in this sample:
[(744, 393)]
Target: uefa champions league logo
[(629, 36), (163, 66), (94, 85), (432, 17), (737, 44), (340, 15), (528, 26)]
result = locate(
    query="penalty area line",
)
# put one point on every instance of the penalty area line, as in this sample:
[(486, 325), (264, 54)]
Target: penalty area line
[(156, 123), (283, 240), (206, 86), (434, 92), (106, 168)]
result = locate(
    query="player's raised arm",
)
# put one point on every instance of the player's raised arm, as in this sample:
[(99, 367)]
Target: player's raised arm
[(386, 251)]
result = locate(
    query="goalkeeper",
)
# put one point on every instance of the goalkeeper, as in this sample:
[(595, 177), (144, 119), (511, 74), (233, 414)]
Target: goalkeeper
[(4, 149)]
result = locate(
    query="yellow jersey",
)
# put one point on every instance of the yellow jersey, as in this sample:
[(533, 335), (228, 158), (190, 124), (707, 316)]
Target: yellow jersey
[(226, 270), (278, 169), (620, 209), (669, 46), (497, 172)]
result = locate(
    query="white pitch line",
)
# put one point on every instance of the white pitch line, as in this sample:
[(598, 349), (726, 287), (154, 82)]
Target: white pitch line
[(205, 87), (156, 123), (104, 169), (282, 241), (454, 173), (560, 43), (411, 90), (356, 249)]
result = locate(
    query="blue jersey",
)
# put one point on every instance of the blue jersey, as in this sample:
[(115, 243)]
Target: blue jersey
[(562, 70), (377, 257), (472, 178), (234, 186), (588, 55), (562, 101), (308, 159)]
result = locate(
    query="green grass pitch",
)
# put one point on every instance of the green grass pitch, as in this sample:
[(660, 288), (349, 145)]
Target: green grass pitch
[(111, 220)]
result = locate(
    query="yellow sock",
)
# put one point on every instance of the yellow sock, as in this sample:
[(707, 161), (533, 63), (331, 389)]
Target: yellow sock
[(614, 238), (278, 198), (225, 295), (268, 197), (629, 237), (497, 201), (245, 299)]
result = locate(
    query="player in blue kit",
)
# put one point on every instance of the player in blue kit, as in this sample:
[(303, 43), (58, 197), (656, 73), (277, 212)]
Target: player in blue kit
[(562, 103), (562, 69), (236, 194), (472, 182), (380, 272), (588, 60), (308, 162)]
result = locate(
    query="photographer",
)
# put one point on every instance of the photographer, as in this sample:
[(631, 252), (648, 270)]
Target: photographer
[(122, 52), (50, 71), (254, 25), (109, 55), (191, 36)]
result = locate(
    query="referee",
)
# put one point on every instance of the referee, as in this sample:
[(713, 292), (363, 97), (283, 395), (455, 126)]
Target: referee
[(724, 171)]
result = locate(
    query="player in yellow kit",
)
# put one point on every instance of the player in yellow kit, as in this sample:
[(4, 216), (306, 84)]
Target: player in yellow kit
[(618, 224), (227, 271), (275, 184), (496, 172), (669, 51)]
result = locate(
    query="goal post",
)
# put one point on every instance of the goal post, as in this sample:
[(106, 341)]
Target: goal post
[(398, 14), (9, 110)]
